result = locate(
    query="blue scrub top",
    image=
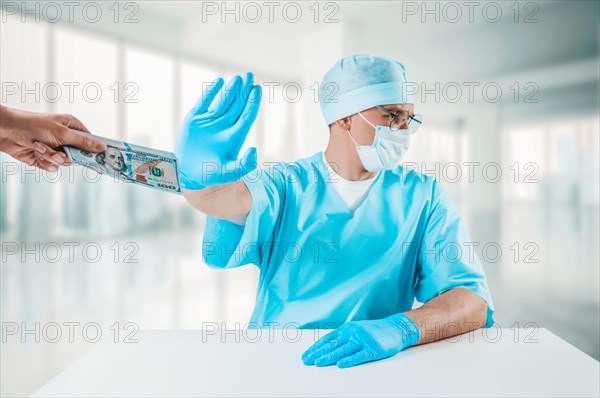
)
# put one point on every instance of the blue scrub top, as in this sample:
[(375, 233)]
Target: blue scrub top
[(320, 266)]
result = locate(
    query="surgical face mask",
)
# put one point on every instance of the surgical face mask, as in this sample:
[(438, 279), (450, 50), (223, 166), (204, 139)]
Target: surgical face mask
[(388, 148)]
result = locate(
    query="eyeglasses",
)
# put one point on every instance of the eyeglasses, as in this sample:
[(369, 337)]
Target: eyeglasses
[(401, 118)]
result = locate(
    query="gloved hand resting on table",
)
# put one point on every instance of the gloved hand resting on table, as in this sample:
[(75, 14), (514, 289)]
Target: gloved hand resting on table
[(210, 137), (358, 342)]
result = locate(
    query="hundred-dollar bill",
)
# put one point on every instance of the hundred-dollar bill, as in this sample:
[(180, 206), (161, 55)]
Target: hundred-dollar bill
[(131, 163)]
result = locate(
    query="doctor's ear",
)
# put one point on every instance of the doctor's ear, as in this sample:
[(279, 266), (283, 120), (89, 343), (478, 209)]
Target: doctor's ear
[(344, 123)]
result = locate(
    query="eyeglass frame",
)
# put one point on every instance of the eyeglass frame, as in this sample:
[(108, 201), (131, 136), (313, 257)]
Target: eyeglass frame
[(395, 115)]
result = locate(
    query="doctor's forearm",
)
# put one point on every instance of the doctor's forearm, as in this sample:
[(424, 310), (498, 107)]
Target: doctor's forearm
[(453, 312), (227, 201)]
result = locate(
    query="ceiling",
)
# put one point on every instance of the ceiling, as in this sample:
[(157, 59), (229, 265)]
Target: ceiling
[(566, 31)]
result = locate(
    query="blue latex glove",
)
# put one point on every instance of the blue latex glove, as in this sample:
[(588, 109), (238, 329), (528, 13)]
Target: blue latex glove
[(363, 341), (211, 137)]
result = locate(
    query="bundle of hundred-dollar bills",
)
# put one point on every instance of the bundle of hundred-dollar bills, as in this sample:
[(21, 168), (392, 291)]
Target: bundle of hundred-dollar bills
[(131, 163)]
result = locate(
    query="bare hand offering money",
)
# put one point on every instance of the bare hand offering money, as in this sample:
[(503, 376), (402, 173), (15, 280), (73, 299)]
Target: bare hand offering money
[(131, 163)]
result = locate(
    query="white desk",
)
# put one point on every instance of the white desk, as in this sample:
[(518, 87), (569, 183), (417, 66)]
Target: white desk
[(178, 363)]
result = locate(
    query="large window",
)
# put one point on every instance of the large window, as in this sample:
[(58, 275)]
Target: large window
[(85, 71), (150, 109), (279, 127), (193, 79), (22, 200), (123, 92), (554, 163), (441, 153)]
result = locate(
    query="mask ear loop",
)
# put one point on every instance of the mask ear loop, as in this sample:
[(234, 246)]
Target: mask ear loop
[(366, 120), (360, 114), (352, 138)]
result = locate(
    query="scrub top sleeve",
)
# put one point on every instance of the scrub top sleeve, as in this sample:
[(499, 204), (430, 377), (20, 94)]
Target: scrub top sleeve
[(229, 245), (447, 257)]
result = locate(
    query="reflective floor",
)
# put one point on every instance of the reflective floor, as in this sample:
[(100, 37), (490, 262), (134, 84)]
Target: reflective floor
[(170, 288)]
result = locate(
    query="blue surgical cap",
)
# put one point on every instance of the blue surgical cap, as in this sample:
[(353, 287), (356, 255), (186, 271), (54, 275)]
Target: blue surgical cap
[(360, 82)]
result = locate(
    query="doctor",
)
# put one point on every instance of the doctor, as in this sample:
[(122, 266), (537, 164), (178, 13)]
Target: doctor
[(346, 238)]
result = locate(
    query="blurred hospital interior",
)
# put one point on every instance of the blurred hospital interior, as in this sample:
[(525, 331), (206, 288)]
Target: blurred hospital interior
[(541, 131)]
